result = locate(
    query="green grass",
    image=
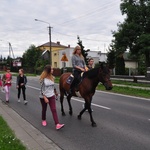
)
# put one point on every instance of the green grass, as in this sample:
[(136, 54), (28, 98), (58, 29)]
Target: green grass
[(57, 79), (130, 83), (8, 140), (127, 91)]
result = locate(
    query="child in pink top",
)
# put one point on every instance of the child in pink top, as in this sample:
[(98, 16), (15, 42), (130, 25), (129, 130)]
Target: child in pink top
[(1, 85), (7, 77)]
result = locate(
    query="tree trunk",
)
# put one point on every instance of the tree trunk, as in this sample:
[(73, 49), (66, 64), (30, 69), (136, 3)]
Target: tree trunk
[(147, 56)]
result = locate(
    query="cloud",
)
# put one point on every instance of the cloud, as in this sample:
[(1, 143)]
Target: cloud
[(93, 21)]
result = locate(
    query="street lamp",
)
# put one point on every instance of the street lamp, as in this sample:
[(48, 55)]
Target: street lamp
[(49, 27)]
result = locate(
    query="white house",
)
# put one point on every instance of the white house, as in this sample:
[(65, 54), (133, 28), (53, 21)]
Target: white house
[(96, 55)]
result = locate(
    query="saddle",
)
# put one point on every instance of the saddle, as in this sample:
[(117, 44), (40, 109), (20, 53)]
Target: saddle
[(71, 78)]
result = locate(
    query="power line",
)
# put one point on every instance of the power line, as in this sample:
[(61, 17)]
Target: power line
[(79, 35), (89, 13)]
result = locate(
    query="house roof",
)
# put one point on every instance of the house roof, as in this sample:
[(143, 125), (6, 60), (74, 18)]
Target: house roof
[(53, 44)]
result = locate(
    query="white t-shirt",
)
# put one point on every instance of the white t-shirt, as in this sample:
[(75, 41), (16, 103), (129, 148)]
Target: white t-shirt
[(47, 88)]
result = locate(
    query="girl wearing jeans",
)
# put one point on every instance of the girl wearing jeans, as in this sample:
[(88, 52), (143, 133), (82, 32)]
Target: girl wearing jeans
[(7, 77), (20, 85), (47, 96)]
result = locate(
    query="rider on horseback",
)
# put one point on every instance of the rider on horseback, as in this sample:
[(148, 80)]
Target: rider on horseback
[(79, 66)]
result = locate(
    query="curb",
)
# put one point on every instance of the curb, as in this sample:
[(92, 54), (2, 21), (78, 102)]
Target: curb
[(31, 138)]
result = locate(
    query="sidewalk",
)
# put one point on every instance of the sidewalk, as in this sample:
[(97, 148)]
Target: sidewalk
[(32, 138)]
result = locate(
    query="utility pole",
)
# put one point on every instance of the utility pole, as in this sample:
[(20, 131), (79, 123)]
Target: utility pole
[(50, 46)]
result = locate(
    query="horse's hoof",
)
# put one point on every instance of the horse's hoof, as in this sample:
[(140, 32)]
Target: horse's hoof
[(94, 124), (70, 112), (79, 117), (63, 114)]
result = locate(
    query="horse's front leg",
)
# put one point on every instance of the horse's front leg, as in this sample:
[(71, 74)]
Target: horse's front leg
[(90, 112), (69, 103), (61, 102), (91, 117), (88, 106)]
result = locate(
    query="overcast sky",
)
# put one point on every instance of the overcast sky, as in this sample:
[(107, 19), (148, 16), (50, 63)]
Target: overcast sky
[(92, 20)]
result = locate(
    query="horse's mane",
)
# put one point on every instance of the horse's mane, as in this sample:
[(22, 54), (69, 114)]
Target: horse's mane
[(91, 73), (95, 71)]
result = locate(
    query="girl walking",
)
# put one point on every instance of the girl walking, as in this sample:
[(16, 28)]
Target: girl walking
[(1, 85), (47, 96), (7, 77), (21, 85)]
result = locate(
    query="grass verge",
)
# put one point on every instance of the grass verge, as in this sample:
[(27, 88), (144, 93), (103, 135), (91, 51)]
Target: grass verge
[(127, 91), (8, 140), (130, 83)]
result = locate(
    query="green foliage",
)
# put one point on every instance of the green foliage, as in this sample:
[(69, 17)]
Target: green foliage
[(111, 57), (134, 33), (8, 141), (142, 64), (40, 64), (32, 60), (120, 65), (97, 65), (84, 52)]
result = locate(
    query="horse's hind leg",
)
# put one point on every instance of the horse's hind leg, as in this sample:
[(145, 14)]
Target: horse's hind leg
[(61, 102), (69, 103)]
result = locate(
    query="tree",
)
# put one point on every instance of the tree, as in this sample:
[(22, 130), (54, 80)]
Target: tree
[(141, 66), (1, 58), (30, 58), (84, 52), (134, 33), (9, 61), (111, 57), (120, 65)]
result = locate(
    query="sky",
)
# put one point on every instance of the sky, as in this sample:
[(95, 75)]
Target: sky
[(92, 20)]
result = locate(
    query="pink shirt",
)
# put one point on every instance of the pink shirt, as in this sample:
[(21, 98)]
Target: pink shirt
[(8, 77)]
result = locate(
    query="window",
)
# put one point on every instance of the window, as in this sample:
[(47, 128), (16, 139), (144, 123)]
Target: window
[(55, 64)]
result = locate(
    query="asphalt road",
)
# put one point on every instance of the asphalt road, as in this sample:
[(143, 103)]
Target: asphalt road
[(123, 123)]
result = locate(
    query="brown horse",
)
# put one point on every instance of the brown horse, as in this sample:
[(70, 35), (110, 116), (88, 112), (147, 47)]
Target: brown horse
[(86, 88)]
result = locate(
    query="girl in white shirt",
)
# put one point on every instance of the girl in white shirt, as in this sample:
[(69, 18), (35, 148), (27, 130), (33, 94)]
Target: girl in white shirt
[(47, 96)]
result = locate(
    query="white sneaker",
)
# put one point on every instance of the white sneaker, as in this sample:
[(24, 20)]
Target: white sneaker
[(18, 100), (25, 102)]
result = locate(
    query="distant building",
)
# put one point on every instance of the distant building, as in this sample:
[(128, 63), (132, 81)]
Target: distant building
[(98, 56), (68, 51), (129, 63), (55, 47), (58, 50)]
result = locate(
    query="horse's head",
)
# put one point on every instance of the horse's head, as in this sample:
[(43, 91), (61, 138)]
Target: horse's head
[(104, 77)]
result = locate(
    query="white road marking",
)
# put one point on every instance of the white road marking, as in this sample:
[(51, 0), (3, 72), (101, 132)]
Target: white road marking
[(100, 106), (75, 99), (33, 87)]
